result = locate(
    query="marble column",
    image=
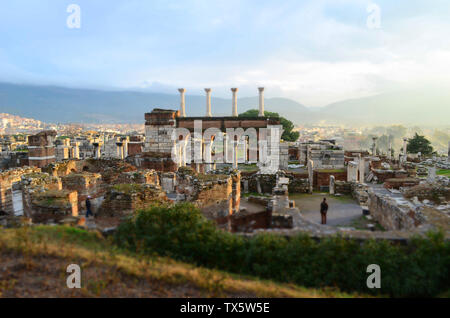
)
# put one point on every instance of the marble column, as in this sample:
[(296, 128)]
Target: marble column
[(311, 175), (235, 112), (362, 167), (97, 152), (405, 140), (182, 102), (125, 148), (261, 101), (208, 102), (390, 151), (448, 154), (208, 158), (76, 150), (235, 153), (374, 146), (332, 185)]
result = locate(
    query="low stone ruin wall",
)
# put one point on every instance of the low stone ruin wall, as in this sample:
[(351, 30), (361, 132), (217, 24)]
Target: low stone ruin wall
[(342, 187), (282, 221), (298, 183), (86, 184), (245, 222), (123, 199), (433, 192), (215, 194), (360, 194), (52, 206), (146, 176), (382, 175), (259, 183), (264, 183), (156, 161), (7, 180), (322, 177), (397, 183), (392, 213)]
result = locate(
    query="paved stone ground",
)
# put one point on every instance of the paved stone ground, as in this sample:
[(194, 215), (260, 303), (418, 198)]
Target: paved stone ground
[(341, 211)]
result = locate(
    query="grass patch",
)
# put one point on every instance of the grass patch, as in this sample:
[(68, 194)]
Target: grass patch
[(112, 266), (443, 172)]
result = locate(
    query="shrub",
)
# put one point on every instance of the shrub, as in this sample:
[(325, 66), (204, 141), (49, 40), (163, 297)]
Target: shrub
[(420, 268)]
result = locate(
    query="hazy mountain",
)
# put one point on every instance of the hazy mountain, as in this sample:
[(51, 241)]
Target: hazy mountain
[(427, 106), (59, 104)]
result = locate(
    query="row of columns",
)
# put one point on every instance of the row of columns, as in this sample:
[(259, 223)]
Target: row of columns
[(207, 152), (234, 110)]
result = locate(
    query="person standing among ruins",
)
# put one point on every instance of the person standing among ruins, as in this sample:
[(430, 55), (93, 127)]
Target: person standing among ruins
[(88, 207), (324, 210)]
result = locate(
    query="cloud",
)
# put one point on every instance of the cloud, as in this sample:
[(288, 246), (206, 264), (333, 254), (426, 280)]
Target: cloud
[(315, 52)]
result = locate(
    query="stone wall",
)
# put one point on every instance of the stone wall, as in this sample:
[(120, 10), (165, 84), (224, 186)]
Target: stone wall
[(146, 176), (342, 187), (264, 183), (360, 193), (158, 161), (397, 183), (322, 177), (393, 213), (159, 125), (41, 148), (52, 206), (433, 192), (382, 175), (86, 184), (7, 179), (124, 199)]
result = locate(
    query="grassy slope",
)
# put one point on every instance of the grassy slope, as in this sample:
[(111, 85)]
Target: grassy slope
[(34, 261)]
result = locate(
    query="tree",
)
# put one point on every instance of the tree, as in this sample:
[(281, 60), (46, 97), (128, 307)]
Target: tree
[(419, 144), (288, 134)]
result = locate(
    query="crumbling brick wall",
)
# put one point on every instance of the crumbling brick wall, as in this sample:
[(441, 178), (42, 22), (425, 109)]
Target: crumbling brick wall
[(322, 177), (41, 148)]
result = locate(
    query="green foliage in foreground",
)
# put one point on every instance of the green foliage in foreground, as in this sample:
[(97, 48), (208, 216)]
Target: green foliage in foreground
[(419, 269)]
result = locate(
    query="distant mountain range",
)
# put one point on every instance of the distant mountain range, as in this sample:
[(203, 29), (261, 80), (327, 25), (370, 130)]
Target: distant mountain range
[(64, 105)]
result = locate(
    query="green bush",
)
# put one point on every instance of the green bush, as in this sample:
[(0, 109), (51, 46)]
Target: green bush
[(420, 268)]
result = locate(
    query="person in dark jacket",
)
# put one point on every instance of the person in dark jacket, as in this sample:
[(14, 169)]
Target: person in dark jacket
[(324, 210), (88, 207)]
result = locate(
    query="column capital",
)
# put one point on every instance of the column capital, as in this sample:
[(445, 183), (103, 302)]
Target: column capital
[(182, 90), (261, 89), (208, 90), (234, 89)]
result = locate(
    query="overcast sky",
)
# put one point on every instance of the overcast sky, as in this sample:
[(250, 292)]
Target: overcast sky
[(315, 52)]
